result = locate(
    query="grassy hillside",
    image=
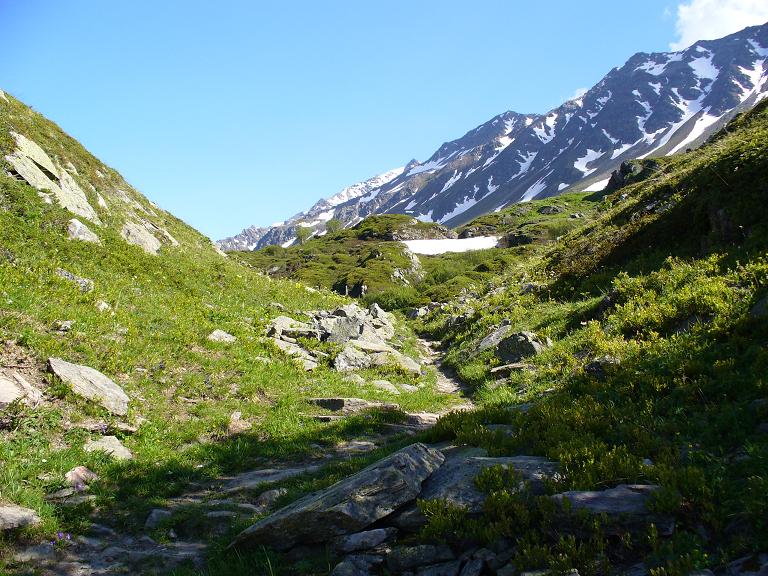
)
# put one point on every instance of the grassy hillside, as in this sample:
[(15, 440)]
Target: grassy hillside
[(370, 254), (656, 309), (145, 324)]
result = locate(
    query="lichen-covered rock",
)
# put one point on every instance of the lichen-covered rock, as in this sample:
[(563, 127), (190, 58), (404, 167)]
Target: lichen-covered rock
[(348, 506), (13, 386), (219, 335)]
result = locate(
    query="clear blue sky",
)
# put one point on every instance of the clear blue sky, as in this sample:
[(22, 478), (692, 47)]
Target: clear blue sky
[(231, 113)]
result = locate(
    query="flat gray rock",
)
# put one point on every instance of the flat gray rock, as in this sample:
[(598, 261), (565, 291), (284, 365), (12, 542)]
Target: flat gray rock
[(405, 558), (91, 384), (348, 506), (630, 499), (258, 478), (12, 517), (138, 235)]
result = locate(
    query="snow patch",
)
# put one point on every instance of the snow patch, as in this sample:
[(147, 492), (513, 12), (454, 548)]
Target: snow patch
[(432, 247), (598, 186), (491, 187), (462, 206), (590, 156), (451, 181)]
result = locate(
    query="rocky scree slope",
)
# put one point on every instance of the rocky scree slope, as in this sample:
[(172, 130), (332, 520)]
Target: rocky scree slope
[(655, 104)]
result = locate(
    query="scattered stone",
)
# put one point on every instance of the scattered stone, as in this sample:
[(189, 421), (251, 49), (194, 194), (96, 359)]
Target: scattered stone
[(37, 553), (625, 504), (474, 567), (267, 499), (13, 387), (285, 326), (351, 405), (85, 284), (111, 445), (63, 325), (760, 309), (236, 423), (599, 367), (503, 429), (415, 313), (138, 235), (386, 386), (492, 340), (549, 210), (354, 379), (308, 361), (12, 517), (156, 517), (454, 482), (405, 558), (507, 369), (221, 336), (363, 540), (520, 345), (531, 288), (348, 506), (76, 230), (79, 478), (91, 384), (576, 215)]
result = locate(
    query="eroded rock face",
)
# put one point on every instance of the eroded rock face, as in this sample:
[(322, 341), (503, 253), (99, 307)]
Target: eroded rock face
[(91, 384), (348, 506), (32, 163)]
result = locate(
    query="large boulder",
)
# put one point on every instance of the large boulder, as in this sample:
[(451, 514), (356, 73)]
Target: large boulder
[(284, 325), (91, 384), (348, 506), (12, 517)]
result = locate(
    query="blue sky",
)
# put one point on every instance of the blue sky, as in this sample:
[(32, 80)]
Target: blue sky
[(233, 113)]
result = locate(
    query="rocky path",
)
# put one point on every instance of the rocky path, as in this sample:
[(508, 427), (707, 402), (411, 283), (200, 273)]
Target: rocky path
[(103, 551)]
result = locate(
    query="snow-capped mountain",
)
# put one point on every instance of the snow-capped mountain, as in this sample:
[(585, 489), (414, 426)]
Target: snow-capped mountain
[(284, 233), (654, 105)]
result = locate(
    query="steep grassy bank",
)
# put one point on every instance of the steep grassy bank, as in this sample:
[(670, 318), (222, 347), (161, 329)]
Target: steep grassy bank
[(656, 374)]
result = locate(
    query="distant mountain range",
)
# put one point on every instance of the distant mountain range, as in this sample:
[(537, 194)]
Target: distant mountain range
[(654, 105)]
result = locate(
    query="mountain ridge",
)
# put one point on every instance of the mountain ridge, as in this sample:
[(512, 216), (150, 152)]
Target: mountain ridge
[(655, 103)]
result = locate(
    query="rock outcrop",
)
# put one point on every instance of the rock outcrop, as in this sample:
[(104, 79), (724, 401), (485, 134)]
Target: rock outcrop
[(363, 334), (12, 517)]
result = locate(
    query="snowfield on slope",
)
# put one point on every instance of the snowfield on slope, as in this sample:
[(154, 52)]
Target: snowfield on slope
[(432, 247)]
